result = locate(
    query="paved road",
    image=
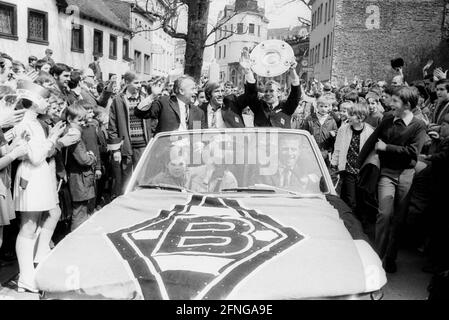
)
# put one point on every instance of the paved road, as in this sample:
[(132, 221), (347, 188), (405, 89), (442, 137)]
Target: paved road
[(409, 283)]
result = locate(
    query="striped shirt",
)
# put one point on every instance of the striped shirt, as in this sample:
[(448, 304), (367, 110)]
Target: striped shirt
[(136, 133)]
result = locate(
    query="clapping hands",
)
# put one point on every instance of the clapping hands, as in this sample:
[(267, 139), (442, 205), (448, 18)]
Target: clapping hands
[(438, 74), (9, 118)]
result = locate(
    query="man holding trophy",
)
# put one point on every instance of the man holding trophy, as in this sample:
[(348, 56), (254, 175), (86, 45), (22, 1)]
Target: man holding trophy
[(272, 58)]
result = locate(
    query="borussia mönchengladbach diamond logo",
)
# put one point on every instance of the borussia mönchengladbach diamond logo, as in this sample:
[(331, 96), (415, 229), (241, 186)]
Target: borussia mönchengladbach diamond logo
[(200, 250)]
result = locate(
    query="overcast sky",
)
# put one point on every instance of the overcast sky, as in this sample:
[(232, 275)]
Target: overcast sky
[(280, 14)]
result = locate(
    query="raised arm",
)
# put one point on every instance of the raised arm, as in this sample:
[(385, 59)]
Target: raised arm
[(295, 92)]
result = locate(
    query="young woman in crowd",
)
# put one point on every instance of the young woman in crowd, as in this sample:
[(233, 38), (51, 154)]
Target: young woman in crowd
[(33, 187)]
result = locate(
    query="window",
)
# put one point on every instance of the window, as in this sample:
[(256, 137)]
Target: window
[(125, 49), (329, 11), (251, 28), (221, 33), (232, 27), (8, 21), (327, 46), (321, 13), (333, 5), (112, 47), (224, 51), (98, 42), (37, 26), (318, 53), (331, 43), (325, 14), (225, 31), (313, 21), (146, 64), (258, 31), (219, 52), (138, 61), (324, 47), (78, 38), (239, 28)]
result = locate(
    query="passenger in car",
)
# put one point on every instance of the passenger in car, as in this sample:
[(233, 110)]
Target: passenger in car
[(174, 175), (293, 172), (215, 175)]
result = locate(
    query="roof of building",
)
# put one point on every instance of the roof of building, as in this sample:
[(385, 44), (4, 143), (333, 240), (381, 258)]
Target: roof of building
[(284, 33), (99, 10), (252, 9)]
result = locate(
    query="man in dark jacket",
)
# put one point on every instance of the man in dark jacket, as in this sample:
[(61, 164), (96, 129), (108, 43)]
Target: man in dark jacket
[(128, 135), (269, 111), (398, 140), (175, 112), (224, 111)]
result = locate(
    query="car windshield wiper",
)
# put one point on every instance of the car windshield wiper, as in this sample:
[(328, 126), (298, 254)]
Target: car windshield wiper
[(249, 190), (299, 194), (164, 187), (265, 188)]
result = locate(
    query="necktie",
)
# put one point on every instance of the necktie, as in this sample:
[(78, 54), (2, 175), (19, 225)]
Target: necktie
[(187, 113), (214, 119), (286, 178)]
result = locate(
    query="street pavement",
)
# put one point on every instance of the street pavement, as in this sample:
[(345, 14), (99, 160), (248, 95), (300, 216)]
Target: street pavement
[(409, 283)]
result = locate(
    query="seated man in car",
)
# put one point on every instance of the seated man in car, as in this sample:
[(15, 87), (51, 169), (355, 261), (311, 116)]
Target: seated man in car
[(175, 173), (295, 171), (214, 175)]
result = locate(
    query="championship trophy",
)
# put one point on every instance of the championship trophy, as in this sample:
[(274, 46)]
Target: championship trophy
[(269, 59)]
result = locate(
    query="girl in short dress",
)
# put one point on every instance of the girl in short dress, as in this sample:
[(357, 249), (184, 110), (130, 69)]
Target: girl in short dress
[(34, 191)]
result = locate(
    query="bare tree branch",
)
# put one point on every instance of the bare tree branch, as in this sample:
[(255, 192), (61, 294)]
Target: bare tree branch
[(221, 23), (224, 38)]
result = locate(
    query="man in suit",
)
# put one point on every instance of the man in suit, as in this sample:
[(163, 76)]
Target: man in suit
[(294, 171), (224, 111), (175, 112), (270, 111)]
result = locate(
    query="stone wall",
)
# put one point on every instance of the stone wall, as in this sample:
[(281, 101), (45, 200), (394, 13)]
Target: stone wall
[(369, 33)]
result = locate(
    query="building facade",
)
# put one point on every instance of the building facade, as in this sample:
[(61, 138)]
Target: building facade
[(180, 51), (298, 38), (76, 31), (360, 37), (243, 25)]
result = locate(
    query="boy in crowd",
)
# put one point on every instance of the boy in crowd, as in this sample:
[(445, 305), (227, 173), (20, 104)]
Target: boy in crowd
[(398, 141), (375, 115), (322, 127), (80, 167)]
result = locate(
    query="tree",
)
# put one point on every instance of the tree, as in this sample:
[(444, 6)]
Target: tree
[(167, 12)]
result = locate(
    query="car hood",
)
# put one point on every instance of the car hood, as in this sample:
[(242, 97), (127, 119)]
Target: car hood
[(153, 244)]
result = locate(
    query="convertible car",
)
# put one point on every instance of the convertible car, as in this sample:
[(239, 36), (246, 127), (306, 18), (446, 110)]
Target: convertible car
[(220, 214)]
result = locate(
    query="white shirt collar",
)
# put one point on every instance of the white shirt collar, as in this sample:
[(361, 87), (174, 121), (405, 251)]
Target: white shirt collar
[(407, 119)]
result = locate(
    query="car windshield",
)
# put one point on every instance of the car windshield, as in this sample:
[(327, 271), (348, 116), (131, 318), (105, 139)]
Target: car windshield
[(226, 162)]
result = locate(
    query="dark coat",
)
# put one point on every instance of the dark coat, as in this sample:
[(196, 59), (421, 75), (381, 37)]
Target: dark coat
[(90, 138), (280, 116), (166, 111), (80, 169), (321, 133), (118, 129), (233, 107), (441, 109)]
